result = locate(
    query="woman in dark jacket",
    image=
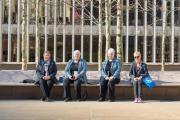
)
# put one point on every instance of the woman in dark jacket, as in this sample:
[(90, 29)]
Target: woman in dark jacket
[(46, 75), (110, 75), (138, 70), (75, 72)]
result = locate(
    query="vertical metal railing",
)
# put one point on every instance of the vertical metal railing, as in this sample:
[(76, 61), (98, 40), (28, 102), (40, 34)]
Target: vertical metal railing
[(9, 31), (145, 32), (55, 32), (27, 37), (82, 29), (18, 29), (154, 33), (136, 26), (91, 33), (46, 25), (64, 30), (172, 32), (73, 25), (1, 49), (127, 32)]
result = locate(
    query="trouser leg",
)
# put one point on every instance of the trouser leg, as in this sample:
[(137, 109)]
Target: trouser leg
[(111, 87), (77, 87), (66, 86), (44, 88), (103, 87)]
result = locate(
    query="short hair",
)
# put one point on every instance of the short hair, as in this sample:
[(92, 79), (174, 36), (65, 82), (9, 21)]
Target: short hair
[(75, 51), (137, 53), (47, 52), (111, 50)]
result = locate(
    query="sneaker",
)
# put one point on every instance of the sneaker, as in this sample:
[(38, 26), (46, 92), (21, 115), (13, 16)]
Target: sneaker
[(67, 99), (101, 99), (42, 99), (135, 100), (139, 100), (111, 100)]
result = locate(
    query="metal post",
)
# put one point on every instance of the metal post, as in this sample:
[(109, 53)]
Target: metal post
[(46, 23), (91, 32), (27, 37), (82, 29), (1, 49), (154, 32), (145, 31), (9, 31), (127, 31), (73, 25), (64, 31), (172, 31), (18, 30), (136, 26), (55, 36)]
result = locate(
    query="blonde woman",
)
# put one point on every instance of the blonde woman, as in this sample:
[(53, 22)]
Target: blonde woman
[(138, 69)]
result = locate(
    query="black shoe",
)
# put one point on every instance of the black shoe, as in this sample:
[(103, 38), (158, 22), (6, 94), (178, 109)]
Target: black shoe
[(67, 99), (47, 100), (111, 100), (43, 99), (101, 99), (79, 100)]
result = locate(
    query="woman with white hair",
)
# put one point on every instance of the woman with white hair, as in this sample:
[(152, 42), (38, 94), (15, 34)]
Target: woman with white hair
[(75, 72), (138, 69), (110, 75)]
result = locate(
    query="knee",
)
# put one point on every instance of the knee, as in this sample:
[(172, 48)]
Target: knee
[(77, 83), (66, 81)]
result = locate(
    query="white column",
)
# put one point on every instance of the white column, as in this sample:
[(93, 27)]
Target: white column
[(1, 49), (64, 31), (127, 31), (55, 32), (172, 32), (91, 31), (154, 33), (145, 32), (73, 25), (9, 31), (136, 26), (46, 23), (27, 37), (82, 29), (18, 30)]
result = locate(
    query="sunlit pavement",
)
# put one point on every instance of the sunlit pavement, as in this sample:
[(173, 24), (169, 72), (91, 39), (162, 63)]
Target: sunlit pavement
[(88, 110)]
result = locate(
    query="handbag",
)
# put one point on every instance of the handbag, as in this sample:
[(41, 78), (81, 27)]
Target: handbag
[(148, 82)]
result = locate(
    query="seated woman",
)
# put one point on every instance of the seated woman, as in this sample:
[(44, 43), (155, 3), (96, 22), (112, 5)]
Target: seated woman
[(75, 72), (110, 75), (137, 70), (46, 75)]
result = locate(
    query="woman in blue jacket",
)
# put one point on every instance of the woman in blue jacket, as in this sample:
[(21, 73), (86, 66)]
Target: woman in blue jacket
[(110, 75), (75, 72), (138, 69)]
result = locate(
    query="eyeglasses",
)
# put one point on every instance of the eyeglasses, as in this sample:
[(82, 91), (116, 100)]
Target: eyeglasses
[(136, 57)]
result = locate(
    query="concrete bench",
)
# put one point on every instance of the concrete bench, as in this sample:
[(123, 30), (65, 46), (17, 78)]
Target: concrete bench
[(168, 86)]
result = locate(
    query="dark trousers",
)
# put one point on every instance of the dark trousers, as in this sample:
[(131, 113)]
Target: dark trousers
[(108, 84), (46, 86), (137, 88), (67, 88)]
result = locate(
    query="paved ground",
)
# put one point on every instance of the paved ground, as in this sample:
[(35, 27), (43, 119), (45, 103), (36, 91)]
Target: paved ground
[(89, 110)]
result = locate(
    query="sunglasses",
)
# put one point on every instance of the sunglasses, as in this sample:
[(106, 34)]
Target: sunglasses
[(136, 57)]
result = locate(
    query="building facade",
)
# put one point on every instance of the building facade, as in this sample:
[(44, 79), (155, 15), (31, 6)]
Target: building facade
[(66, 25)]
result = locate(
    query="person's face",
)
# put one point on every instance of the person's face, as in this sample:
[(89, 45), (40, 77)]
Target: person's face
[(76, 55), (137, 58), (47, 56), (110, 55)]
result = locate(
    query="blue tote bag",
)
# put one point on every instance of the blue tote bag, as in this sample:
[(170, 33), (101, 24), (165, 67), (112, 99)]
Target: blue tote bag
[(148, 82)]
